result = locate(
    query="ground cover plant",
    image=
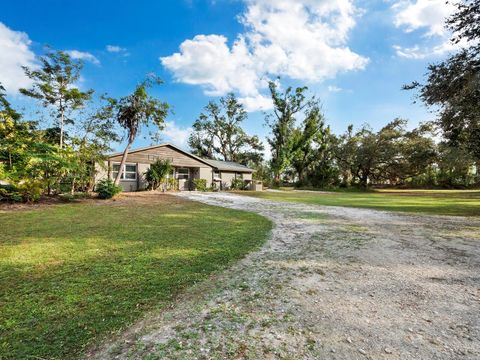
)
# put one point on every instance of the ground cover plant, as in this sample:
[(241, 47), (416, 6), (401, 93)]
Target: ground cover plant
[(72, 274), (439, 202)]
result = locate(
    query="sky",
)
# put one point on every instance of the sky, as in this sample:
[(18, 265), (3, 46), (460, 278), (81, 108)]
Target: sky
[(353, 55)]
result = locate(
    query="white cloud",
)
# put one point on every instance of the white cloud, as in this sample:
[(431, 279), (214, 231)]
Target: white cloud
[(304, 40), (117, 49), (83, 55), (176, 135), (15, 52), (114, 48), (428, 17), (333, 88)]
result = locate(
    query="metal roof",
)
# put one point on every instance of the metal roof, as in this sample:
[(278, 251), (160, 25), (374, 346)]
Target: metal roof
[(217, 164), (228, 166)]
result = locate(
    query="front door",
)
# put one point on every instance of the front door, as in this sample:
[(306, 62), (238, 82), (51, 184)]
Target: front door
[(183, 177)]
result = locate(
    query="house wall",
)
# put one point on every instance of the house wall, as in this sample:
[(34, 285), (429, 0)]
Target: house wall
[(247, 176), (227, 178), (207, 174), (141, 170)]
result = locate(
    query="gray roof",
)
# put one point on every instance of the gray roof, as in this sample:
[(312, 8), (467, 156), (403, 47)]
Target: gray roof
[(228, 166), (217, 164)]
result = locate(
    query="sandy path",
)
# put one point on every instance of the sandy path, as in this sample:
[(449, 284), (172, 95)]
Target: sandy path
[(331, 282)]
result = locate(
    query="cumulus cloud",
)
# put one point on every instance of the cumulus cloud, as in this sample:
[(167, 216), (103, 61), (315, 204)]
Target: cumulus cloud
[(176, 134), (83, 55), (15, 52), (303, 40), (427, 17)]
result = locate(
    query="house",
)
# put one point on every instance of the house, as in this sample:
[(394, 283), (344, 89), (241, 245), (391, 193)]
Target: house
[(186, 168)]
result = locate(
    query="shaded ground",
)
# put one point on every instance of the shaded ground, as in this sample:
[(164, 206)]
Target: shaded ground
[(332, 282)]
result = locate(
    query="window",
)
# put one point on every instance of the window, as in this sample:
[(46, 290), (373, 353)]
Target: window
[(182, 173), (129, 171)]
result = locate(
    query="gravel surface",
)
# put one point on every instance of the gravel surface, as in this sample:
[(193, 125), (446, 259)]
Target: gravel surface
[(331, 282)]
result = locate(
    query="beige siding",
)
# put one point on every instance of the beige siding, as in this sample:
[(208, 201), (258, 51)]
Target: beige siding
[(227, 178), (141, 170), (206, 173), (149, 156), (247, 176)]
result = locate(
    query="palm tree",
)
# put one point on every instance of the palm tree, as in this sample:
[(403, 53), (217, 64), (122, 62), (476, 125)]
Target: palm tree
[(136, 110)]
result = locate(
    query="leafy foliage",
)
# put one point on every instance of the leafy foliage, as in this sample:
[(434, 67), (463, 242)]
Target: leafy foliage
[(285, 140), (200, 184), (156, 175), (54, 85), (107, 189), (218, 133), (137, 109), (453, 85)]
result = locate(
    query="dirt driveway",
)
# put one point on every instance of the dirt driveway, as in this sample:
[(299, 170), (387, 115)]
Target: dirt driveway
[(332, 282)]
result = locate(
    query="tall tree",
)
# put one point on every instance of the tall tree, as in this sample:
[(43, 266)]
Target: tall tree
[(218, 133), (282, 124), (308, 141), (137, 109), (5, 106), (453, 86), (54, 85)]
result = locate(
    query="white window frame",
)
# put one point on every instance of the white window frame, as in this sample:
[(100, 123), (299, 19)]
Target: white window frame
[(188, 174), (122, 178)]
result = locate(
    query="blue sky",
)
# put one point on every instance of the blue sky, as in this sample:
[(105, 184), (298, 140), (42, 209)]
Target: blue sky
[(353, 55)]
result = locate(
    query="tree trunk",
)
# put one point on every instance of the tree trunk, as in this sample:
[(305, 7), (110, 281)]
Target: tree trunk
[(122, 163), (61, 125)]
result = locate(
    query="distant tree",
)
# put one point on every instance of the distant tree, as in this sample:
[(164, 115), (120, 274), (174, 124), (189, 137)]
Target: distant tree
[(281, 121), (218, 133), (453, 85), (455, 167), (93, 137), (139, 109), (308, 141), (54, 85)]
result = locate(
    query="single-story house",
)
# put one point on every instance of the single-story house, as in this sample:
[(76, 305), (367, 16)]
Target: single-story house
[(186, 168)]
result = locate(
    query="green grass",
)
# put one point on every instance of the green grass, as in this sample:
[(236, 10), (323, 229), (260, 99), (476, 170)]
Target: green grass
[(72, 274), (437, 202)]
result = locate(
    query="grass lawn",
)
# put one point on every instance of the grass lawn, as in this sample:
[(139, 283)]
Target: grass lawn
[(72, 274), (438, 202)]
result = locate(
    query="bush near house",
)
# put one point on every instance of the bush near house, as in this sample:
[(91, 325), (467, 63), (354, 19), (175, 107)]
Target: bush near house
[(237, 184), (200, 184), (107, 189)]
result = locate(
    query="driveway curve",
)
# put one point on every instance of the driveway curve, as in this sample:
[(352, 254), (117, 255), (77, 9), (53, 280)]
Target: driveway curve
[(331, 282)]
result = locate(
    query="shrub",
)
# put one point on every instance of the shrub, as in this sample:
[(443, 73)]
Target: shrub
[(107, 189), (10, 193), (200, 184), (31, 190), (237, 184), (157, 173), (172, 184)]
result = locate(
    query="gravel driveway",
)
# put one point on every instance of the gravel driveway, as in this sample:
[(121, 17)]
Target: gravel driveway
[(332, 282)]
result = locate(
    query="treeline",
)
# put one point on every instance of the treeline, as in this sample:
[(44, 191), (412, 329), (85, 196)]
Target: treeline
[(443, 153)]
